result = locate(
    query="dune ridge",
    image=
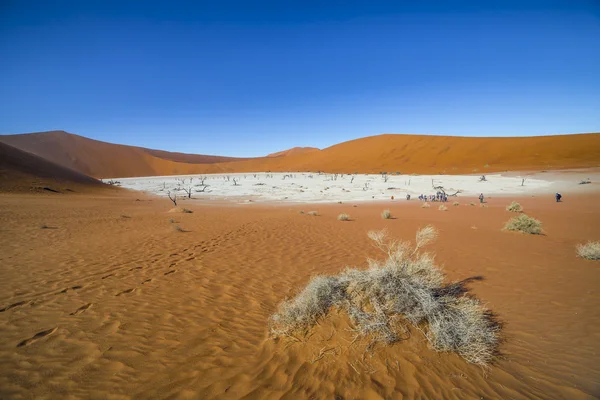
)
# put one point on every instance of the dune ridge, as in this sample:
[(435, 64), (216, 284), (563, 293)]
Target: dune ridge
[(404, 153), (22, 171)]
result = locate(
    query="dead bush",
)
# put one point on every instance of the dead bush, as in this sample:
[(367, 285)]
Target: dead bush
[(386, 214), (514, 207), (404, 289), (525, 224), (589, 251), (343, 217)]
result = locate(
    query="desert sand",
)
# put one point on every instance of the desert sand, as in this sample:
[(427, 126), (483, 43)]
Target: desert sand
[(110, 301), (406, 154), (113, 293)]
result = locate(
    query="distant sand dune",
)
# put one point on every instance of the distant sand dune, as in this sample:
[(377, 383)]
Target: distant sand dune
[(22, 171), (422, 154)]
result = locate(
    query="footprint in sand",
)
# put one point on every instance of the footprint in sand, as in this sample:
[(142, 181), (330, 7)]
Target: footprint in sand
[(20, 303), (71, 288), (81, 309), (37, 337), (126, 291), (170, 272), (108, 276)]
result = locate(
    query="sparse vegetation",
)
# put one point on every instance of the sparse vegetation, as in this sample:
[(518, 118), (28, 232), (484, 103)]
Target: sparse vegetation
[(514, 207), (442, 208), (471, 204), (44, 226), (405, 289), (301, 211), (343, 217), (125, 216), (386, 214), (186, 211), (456, 203), (589, 251), (425, 205), (177, 228), (525, 224), (313, 213)]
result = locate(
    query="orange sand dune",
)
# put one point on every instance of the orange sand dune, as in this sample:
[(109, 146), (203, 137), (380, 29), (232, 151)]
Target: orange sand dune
[(293, 151), (384, 153), (436, 155), (101, 159), (112, 302), (22, 171)]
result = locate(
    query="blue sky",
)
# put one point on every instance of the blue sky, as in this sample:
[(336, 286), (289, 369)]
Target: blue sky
[(246, 78)]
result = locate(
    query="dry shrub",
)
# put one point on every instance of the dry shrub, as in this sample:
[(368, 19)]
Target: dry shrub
[(177, 228), (514, 207), (471, 204), (525, 224), (442, 208), (589, 251), (343, 217), (180, 210), (386, 214), (483, 205), (456, 203), (313, 213), (405, 289), (301, 211), (44, 226), (425, 205)]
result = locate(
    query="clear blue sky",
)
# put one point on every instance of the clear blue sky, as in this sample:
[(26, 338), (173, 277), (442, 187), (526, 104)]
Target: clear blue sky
[(245, 78)]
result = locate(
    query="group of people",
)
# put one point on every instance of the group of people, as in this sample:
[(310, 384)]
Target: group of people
[(439, 196), (443, 197)]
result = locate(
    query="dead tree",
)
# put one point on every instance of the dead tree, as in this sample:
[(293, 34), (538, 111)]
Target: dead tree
[(441, 189), (352, 179), (188, 191), (173, 199), (202, 190), (523, 182), (235, 182), (366, 186), (482, 178)]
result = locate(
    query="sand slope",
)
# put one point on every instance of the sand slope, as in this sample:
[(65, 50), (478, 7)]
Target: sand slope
[(22, 171), (114, 303), (385, 153), (293, 151), (101, 159)]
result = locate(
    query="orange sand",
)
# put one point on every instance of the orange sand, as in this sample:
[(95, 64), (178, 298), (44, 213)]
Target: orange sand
[(113, 303), (384, 153)]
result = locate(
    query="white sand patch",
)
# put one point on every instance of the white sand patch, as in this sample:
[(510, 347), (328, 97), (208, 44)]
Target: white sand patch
[(313, 187)]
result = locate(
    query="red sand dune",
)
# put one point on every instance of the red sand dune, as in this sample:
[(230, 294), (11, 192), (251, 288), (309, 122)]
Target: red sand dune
[(389, 153), (22, 171), (293, 151), (101, 159)]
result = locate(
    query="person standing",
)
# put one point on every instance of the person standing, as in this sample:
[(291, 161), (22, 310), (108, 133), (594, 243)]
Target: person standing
[(481, 198)]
